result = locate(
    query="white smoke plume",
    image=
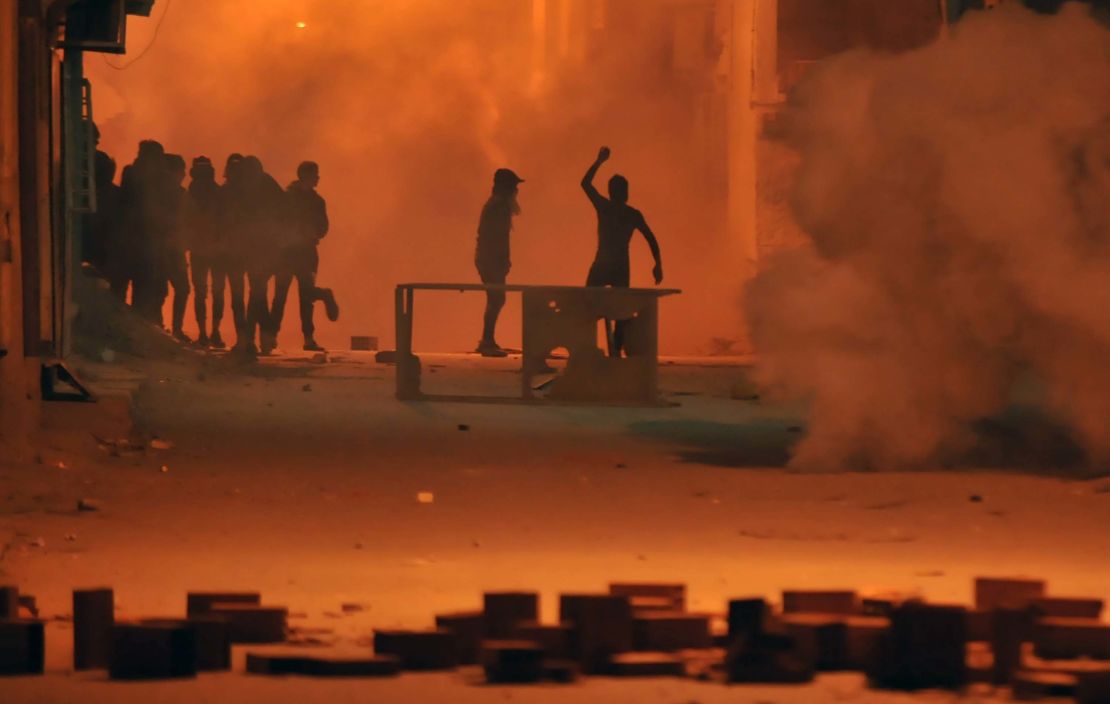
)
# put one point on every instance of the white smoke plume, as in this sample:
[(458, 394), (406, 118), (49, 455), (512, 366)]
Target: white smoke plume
[(957, 198)]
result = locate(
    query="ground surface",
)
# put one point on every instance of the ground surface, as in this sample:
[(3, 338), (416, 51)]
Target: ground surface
[(301, 480)]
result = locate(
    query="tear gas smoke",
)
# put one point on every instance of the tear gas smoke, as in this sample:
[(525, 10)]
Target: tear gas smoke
[(409, 107), (958, 203)]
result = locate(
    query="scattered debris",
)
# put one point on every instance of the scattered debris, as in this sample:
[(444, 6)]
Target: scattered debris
[(464, 427), (975, 499), (306, 387), (165, 468), (71, 537), (159, 444), (88, 505), (352, 608)]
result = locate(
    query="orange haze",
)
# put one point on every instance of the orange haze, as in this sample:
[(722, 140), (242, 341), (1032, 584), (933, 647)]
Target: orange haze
[(409, 107)]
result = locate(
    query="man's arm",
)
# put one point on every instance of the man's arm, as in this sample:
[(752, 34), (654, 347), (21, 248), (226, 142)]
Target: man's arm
[(321, 214), (588, 180), (657, 272)]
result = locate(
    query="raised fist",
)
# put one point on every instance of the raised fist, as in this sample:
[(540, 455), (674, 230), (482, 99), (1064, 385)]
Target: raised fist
[(603, 154)]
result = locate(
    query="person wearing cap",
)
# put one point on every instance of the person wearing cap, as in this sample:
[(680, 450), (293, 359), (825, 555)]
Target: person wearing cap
[(616, 223), (492, 254)]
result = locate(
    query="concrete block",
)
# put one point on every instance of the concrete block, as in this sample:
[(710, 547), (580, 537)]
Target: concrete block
[(1067, 607), (22, 646), (925, 648), (980, 625), (28, 606), (252, 623), (603, 627), (1011, 629), (819, 639), (504, 610), (648, 664), (554, 639), (93, 618), (1007, 592), (1065, 638), (469, 629), (313, 665), (560, 671), (758, 665), (1034, 686), (862, 637), (152, 651), (199, 603), (746, 618), (9, 602), (980, 663), (513, 661), (844, 603), (418, 650), (670, 631), (1093, 688), (212, 635), (651, 596)]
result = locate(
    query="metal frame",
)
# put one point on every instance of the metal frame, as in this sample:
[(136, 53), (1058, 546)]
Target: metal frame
[(552, 317)]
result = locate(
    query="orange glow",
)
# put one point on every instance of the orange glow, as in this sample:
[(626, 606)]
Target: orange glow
[(301, 25)]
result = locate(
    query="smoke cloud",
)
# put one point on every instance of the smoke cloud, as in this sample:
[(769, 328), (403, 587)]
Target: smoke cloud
[(957, 200), (409, 107)]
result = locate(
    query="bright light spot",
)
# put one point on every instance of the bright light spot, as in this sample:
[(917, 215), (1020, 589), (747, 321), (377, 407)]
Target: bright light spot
[(301, 25), (426, 497)]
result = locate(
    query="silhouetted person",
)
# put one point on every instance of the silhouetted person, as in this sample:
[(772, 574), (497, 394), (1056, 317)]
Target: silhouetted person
[(204, 238), (491, 256), (101, 229), (262, 211), (616, 221), (143, 191), (232, 256), (173, 251), (307, 216)]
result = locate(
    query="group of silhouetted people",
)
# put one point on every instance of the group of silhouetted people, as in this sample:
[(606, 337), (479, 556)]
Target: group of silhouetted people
[(617, 221), (151, 234)]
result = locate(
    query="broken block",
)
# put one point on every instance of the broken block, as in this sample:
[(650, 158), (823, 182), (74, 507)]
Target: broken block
[(1067, 638), (276, 663), (515, 661), (418, 650), (554, 639), (212, 635), (844, 603), (602, 624), (152, 651), (925, 648), (28, 606), (670, 630), (469, 629), (1093, 688), (22, 646), (647, 664), (820, 639), (1067, 607), (1033, 686), (882, 603), (1007, 592), (980, 663), (364, 343), (648, 596), (746, 618), (199, 603), (9, 602), (252, 623), (93, 618), (504, 610)]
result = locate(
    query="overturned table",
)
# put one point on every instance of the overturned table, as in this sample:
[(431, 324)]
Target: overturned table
[(559, 317)]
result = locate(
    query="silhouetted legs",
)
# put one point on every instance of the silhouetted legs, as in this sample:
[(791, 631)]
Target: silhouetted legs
[(495, 301)]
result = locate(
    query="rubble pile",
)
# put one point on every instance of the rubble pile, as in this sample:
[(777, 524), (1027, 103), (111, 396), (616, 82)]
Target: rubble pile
[(1015, 636)]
